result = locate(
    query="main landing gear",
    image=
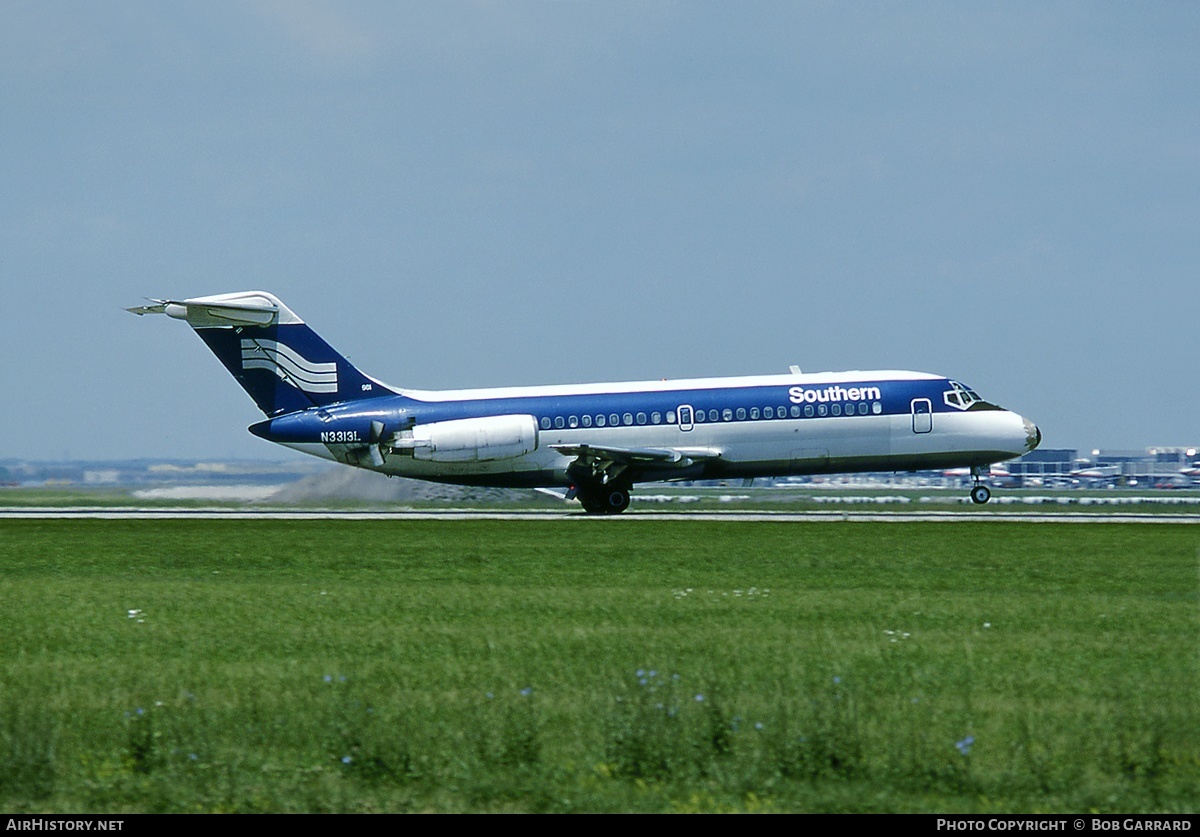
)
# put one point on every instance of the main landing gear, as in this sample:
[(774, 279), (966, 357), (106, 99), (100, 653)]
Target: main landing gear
[(601, 485), (980, 493)]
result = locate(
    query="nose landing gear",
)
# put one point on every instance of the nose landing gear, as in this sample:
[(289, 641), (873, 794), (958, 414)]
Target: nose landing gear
[(980, 493)]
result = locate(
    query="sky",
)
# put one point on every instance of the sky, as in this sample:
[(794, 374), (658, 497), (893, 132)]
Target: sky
[(468, 194)]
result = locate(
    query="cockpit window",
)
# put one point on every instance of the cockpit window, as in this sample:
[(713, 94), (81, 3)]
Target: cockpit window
[(962, 397)]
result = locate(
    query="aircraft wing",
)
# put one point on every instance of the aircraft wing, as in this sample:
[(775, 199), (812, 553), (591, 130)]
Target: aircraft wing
[(594, 455)]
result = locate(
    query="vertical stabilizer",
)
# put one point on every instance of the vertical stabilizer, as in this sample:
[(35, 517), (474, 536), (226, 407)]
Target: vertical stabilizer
[(281, 363)]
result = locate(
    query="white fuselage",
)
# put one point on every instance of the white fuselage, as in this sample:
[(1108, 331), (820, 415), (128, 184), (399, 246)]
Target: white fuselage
[(763, 426)]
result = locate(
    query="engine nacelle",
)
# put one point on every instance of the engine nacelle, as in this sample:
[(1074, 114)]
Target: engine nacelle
[(475, 439)]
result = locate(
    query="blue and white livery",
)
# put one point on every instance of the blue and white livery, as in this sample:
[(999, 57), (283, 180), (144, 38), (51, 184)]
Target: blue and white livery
[(596, 441)]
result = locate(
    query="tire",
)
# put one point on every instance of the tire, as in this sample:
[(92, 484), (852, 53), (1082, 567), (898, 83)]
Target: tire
[(980, 494), (592, 504), (616, 500)]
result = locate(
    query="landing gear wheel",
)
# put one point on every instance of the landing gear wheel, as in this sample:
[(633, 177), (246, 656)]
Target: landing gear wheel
[(592, 504), (980, 494), (616, 500), (605, 500)]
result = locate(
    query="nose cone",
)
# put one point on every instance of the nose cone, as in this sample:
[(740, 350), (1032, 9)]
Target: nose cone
[(1033, 436)]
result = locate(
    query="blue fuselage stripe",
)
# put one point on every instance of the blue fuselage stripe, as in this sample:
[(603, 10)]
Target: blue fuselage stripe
[(895, 399), (797, 402)]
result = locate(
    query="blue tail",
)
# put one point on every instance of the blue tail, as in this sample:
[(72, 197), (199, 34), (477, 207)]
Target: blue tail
[(280, 362)]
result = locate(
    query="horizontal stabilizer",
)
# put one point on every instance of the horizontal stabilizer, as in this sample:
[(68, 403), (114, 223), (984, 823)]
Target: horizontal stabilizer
[(159, 307), (246, 308)]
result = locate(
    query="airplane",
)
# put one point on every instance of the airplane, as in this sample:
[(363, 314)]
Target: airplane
[(596, 441), (1096, 475)]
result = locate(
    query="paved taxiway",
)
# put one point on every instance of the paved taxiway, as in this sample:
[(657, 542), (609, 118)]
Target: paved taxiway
[(133, 513)]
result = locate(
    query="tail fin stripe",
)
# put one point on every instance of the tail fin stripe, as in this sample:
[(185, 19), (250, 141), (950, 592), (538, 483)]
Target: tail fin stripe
[(291, 377), (292, 368), (267, 361), (271, 366), (274, 349)]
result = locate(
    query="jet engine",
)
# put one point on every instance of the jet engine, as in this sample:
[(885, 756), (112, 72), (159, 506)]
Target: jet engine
[(473, 439)]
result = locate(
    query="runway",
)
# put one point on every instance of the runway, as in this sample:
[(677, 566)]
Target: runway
[(219, 513)]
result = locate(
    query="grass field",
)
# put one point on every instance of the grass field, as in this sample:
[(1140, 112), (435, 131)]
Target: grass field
[(598, 665)]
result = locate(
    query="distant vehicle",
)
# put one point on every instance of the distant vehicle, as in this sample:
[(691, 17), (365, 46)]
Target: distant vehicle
[(596, 440)]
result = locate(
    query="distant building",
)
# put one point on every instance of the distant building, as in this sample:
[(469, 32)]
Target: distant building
[(1044, 462)]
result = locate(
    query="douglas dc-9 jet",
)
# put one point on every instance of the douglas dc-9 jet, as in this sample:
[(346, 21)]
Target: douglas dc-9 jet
[(596, 441)]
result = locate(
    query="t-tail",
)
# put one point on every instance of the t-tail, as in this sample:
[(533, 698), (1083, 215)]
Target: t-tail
[(280, 362)]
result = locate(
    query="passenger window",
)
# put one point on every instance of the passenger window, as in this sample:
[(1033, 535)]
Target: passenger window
[(600, 420), (741, 413), (573, 421), (876, 408), (628, 419), (558, 422), (753, 413), (614, 419), (822, 409), (545, 422), (727, 414), (795, 411), (641, 418), (768, 412), (836, 409), (713, 415), (862, 408), (656, 418), (670, 416), (808, 410), (699, 416), (587, 421)]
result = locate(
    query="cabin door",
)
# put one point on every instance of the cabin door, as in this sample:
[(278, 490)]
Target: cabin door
[(922, 415)]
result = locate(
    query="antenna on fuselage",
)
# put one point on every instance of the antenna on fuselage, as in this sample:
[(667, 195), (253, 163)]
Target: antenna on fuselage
[(794, 369)]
